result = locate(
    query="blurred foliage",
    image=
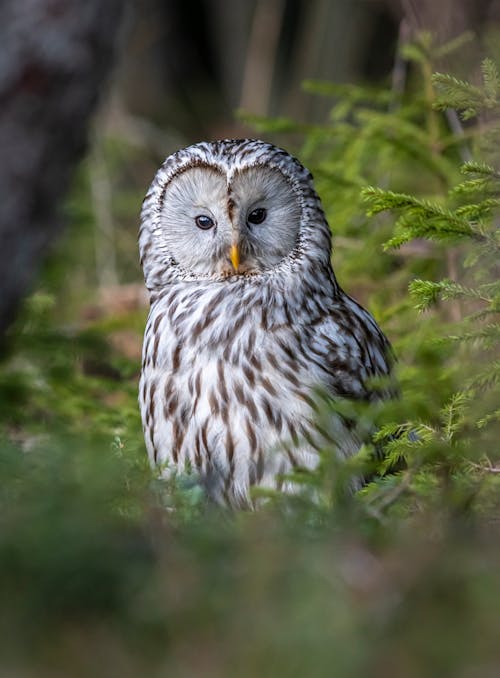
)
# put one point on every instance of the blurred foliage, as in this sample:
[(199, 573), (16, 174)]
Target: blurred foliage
[(105, 570)]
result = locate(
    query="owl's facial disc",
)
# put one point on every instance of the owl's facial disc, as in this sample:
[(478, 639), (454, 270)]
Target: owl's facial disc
[(217, 226), (195, 228), (266, 217)]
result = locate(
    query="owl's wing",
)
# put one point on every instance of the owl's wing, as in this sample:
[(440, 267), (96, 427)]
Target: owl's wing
[(351, 352)]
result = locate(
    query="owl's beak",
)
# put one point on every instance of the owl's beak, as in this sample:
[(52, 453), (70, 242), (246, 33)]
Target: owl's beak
[(234, 255)]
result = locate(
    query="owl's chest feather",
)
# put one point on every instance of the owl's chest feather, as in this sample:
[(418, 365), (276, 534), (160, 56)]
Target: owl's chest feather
[(226, 360), (220, 387)]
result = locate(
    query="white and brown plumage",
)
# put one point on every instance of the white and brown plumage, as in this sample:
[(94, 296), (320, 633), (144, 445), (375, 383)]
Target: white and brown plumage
[(247, 320)]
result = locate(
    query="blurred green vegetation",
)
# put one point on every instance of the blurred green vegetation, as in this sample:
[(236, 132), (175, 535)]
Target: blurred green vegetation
[(105, 570)]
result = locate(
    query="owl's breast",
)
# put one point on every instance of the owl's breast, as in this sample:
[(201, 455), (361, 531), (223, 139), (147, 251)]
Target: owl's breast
[(222, 394)]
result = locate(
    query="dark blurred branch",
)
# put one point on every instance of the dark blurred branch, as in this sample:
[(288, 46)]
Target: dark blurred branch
[(55, 57)]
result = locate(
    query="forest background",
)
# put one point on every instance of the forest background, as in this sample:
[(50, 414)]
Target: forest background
[(105, 570)]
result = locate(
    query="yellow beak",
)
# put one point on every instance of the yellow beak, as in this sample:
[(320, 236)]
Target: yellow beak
[(234, 255)]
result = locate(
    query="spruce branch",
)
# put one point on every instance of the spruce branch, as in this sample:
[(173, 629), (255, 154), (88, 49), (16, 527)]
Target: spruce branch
[(475, 187), (489, 335), (454, 45), (492, 417), (478, 211), (355, 94), (458, 94), (453, 414), (426, 293), (487, 378), (491, 80), (482, 168), (478, 167), (421, 218)]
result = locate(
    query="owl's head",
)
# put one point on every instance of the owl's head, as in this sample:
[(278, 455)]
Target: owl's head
[(228, 209)]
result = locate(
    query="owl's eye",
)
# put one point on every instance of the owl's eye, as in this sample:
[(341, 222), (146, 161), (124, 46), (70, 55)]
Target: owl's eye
[(257, 216), (204, 222)]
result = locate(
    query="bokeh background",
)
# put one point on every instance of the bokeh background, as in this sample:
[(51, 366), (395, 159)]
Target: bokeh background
[(104, 570), (124, 84)]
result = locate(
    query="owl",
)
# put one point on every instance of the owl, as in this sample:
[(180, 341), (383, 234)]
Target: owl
[(247, 322)]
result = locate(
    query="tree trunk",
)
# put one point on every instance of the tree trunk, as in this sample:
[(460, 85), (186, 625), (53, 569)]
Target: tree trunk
[(55, 56)]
